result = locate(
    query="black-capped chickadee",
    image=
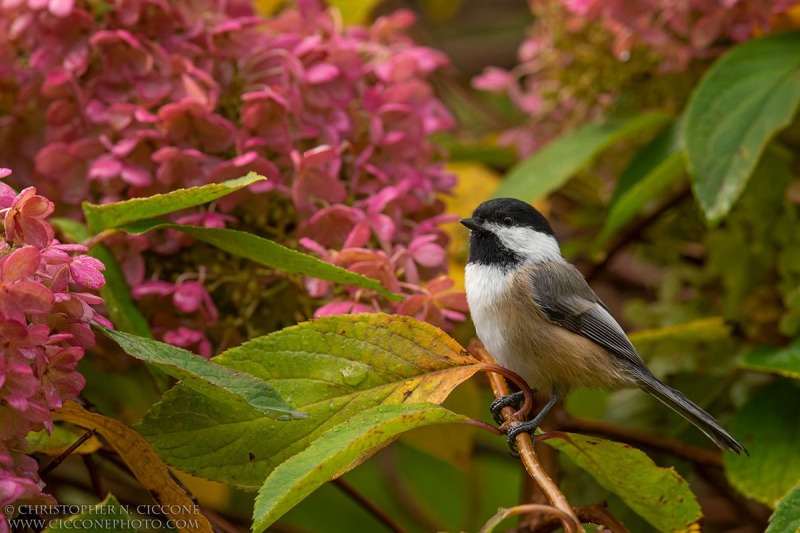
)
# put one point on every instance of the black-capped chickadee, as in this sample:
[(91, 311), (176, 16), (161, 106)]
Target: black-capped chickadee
[(535, 313)]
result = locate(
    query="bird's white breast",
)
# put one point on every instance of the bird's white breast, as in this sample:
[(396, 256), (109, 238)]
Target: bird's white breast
[(488, 289)]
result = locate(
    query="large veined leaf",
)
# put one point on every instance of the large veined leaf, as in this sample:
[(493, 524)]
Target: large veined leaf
[(338, 451), (332, 368), (108, 216), (769, 425), (786, 518), (551, 167), (265, 252), (144, 463), (210, 379), (744, 99), (659, 495)]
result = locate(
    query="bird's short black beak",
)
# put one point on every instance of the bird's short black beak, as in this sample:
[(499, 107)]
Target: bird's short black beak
[(471, 223)]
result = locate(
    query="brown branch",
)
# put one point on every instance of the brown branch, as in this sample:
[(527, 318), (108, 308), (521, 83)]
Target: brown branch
[(527, 508), (636, 437), (66, 453), (592, 514), (368, 505), (527, 453)]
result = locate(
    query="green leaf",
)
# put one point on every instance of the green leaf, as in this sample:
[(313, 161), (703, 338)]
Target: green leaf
[(122, 309), (658, 165), (108, 216), (339, 450), (551, 167), (210, 379), (331, 368), (770, 426), (786, 518), (487, 153), (659, 495), (784, 361), (106, 516), (744, 99), (266, 252)]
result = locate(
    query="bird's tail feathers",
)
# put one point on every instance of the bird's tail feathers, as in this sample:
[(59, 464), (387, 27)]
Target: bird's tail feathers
[(682, 405)]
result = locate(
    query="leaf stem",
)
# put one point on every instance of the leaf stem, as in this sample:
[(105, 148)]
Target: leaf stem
[(368, 505), (94, 240), (527, 453)]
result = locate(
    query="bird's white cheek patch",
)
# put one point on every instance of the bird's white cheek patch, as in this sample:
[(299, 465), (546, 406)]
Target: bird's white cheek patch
[(533, 245)]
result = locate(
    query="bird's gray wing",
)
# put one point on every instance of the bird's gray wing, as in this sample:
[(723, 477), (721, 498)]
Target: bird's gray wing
[(562, 293)]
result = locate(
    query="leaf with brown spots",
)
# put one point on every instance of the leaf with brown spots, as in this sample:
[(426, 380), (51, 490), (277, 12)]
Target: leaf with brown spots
[(337, 451), (332, 368), (144, 463), (659, 495)]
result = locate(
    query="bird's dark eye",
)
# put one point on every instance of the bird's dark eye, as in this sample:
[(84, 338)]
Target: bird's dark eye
[(508, 221)]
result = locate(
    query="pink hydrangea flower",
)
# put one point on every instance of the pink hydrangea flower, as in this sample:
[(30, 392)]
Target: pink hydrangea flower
[(44, 329), (146, 97)]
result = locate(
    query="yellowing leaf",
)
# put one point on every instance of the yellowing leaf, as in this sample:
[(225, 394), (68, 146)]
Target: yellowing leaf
[(450, 442), (145, 464), (354, 12), (476, 182), (265, 8), (331, 368), (59, 441), (701, 329)]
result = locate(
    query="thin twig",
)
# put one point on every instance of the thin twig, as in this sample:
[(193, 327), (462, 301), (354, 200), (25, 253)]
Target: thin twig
[(694, 454), (527, 508), (368, 505), (66, 453), (527, 453), (94, 476), (592, 514)]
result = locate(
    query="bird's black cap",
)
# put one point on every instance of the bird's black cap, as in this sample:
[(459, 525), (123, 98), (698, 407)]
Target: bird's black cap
[(499, 209), (484, 246)]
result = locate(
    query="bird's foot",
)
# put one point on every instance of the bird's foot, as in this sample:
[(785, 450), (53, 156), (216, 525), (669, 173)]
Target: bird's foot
[(518, 429), (514, 400)]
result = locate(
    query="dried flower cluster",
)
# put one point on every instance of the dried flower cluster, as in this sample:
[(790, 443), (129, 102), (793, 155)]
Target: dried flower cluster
[(680, 31), (138, 97), (45, 316), (583, 56)]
